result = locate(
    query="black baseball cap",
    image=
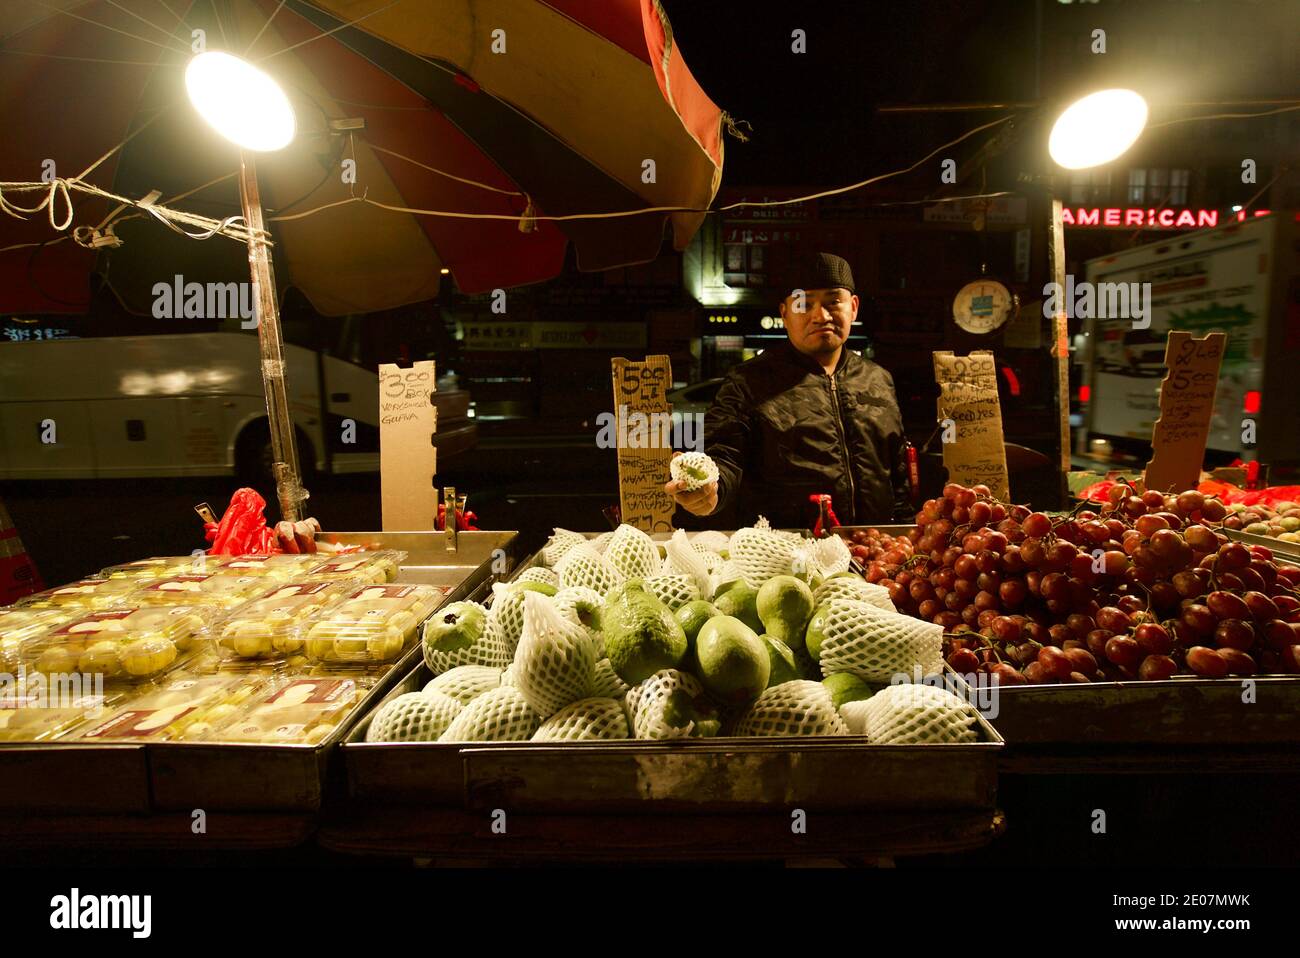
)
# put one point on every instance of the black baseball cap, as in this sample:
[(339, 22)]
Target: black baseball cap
[(822, 271)]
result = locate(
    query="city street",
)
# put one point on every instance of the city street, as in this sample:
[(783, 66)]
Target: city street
[(73, 528)]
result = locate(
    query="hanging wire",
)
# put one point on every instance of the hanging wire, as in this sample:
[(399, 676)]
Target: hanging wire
[(55, 56), (147, 22), (1222, 116), (133, 36), (450, 176), (619, 214), (267, 23), (341, 26)]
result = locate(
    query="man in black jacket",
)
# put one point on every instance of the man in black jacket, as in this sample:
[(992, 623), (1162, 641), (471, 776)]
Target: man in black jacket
[(809, 416)]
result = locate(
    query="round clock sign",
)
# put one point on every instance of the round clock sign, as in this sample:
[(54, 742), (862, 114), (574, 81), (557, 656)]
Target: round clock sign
[(983, 306)]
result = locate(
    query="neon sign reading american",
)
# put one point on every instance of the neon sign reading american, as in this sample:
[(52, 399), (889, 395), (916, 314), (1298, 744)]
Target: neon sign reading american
[(1150, 218)]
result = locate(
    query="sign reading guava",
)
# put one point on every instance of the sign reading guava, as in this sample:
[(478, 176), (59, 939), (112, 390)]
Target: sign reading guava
[(970, 420), (407, 459), (644, 448), (1186, 405)]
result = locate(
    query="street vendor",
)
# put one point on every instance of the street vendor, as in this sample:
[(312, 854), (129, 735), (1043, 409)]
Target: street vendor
[(809, 416)]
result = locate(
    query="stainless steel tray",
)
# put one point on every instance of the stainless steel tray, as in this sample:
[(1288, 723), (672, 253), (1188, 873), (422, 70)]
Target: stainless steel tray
[(54, 779), (1185, 711), (239, 776), (695, 775), (182, 776)]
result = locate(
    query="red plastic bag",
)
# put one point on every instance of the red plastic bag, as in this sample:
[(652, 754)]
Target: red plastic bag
[(242, 529)]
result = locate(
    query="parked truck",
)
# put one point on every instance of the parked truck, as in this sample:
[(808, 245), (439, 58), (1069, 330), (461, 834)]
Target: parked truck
[(1243, 280)]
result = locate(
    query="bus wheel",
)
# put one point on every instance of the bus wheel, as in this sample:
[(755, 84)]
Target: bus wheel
[(254, 460)]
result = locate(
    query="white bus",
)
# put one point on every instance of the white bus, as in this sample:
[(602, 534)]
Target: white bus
[(189, 404)]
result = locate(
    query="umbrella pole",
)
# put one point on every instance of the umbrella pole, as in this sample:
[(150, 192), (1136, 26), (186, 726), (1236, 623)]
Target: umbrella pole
[(284, 450)]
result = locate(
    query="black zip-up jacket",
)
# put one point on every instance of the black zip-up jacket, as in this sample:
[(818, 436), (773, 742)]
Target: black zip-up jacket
[(780, 430)]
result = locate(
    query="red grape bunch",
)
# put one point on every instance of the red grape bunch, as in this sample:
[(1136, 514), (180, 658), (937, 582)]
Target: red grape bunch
[(1142, 589)]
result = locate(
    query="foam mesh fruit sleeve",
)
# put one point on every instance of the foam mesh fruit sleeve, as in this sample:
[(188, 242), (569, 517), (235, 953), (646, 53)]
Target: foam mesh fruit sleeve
[(876, 645), (556, 658), (633, 553), (792, 708), (464, 683), (585, 720), (917, 714), (501, 715), (413, 717), (584, 566)]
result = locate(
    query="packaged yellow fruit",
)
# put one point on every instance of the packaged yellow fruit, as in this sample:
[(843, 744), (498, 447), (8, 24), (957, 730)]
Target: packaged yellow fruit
[(377, 567), (217, 591), (271, 626), (119, 644), (185, 701), (19, 625), (84, 594), (160, 566), (303, 710), (35, 710), (373, 623), (283, 566)]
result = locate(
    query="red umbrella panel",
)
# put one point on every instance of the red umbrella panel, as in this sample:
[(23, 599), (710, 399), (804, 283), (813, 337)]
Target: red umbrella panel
[(503, 113)]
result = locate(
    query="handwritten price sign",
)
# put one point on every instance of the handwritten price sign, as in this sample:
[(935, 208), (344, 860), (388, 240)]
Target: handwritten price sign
[(968, 396), (1186, 405), (407, 459), (643, 387)]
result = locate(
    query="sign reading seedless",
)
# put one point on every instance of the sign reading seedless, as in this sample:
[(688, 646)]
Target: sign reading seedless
[(970, 418), (643, 468)]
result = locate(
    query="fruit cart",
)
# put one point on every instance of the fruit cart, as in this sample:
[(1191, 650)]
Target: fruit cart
[(145, 794), (685, 799), (1153, 755)]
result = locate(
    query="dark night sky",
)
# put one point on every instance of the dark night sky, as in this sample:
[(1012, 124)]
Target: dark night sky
[(813, 114)]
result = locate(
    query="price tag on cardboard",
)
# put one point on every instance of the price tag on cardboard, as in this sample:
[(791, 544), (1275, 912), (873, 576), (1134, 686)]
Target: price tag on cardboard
[(407, 459), (970, 418), (643, 416), (1186, 405)]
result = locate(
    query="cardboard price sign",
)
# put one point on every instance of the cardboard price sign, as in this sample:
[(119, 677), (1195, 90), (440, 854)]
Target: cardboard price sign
[(641, 390), (407, 459), (973, 449), (1186, 405)]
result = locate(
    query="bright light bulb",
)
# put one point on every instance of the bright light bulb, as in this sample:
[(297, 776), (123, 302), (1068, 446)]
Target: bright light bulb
[(240, 102), (1097, 129)]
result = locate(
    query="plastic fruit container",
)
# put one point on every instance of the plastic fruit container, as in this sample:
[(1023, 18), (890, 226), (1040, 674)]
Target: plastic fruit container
[(159, 566), (374, 623), (85, 594), (271, 626), (187, 708), (19, 625), (122, 645), (279, 566), (217, 591), (40, 712), (301, 711), (378, 567)]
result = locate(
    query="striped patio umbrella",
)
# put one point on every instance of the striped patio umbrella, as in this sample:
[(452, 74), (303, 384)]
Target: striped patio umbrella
[(509, 114)]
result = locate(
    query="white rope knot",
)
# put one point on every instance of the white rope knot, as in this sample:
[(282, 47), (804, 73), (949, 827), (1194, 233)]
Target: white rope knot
[(92, 237)]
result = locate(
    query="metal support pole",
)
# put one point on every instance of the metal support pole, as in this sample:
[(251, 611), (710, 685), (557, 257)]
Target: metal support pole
[(284, 449), (1060, 341)]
